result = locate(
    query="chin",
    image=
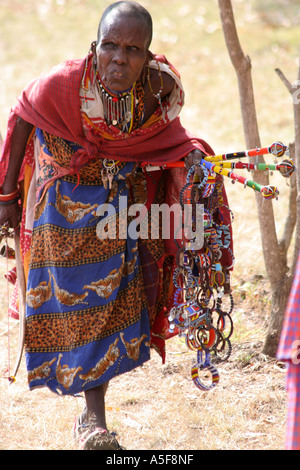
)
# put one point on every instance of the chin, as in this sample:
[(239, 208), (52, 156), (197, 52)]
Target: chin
[(119, 87)]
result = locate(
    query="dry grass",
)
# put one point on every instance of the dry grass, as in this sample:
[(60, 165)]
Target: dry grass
[(157, 406)]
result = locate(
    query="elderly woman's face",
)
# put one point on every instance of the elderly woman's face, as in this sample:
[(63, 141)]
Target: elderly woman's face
[(122, 51)]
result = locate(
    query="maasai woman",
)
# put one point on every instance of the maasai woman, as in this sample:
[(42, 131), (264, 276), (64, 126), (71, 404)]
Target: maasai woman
[(97, 298)]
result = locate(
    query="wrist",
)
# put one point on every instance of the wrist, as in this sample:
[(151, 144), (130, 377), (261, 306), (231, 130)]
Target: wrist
[(9, 203), (11, 197)]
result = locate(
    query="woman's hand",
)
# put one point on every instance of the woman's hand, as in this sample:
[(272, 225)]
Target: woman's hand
[(193, 158), (10, 215)]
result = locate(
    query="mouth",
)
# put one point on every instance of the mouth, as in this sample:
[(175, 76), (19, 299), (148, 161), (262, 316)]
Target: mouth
[(118, 81), (119, 75)]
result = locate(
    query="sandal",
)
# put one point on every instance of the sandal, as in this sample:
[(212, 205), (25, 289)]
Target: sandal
[(94, 439), (79, 429), (100, 439)]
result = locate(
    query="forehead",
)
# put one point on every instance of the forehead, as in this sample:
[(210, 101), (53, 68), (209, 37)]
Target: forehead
[(125, 27)]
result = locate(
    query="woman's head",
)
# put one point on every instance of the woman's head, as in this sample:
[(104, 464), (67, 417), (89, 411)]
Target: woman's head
[(124, 37)]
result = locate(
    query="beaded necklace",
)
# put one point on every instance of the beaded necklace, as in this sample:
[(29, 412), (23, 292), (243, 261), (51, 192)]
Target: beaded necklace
[(124, 110)]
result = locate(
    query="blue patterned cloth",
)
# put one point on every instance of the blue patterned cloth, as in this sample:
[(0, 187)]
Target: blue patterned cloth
[(87, 317)]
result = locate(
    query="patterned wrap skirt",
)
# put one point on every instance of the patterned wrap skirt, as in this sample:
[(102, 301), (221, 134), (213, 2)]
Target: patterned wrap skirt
[(87, 316)]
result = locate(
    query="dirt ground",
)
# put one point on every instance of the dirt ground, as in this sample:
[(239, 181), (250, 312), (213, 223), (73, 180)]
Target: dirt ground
[(158, 407)]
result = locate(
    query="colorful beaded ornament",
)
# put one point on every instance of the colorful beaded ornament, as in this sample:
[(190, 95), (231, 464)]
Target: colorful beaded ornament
[(203, 303)]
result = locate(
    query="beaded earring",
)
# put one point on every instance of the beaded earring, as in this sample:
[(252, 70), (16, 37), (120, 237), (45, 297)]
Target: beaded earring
[(93, 50), (157, 95)]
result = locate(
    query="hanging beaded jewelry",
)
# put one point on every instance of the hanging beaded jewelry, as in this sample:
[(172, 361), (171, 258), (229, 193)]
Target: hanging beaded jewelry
[(118, 107), (86, 68), (157, 95)]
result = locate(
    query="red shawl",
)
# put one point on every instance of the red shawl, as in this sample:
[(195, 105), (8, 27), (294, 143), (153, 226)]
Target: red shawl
[(51, 102)]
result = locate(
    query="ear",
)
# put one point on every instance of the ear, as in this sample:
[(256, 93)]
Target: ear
[(93, 47), (150, 56), (94, 52)]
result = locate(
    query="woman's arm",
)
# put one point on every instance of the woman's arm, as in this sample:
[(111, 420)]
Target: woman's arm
[(10, 213)]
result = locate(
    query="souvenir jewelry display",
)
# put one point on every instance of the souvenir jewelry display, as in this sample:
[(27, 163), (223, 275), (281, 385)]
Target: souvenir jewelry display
[(203, 302)]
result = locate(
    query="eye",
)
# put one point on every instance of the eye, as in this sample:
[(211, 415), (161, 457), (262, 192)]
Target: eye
[(132, 48), (108, 45)]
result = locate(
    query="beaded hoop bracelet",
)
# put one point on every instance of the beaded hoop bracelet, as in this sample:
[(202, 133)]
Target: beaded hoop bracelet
[(10, 196), (9, 202)]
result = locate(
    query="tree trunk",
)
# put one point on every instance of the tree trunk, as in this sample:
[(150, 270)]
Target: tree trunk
[(280, 297), (275, 259)]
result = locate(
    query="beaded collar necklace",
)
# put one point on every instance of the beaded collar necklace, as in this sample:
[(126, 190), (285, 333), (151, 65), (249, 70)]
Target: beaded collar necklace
[(119, 108)]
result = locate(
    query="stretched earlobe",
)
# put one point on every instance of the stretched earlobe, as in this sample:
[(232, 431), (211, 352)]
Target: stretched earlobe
[(93, 51), (93, 47), (150, 56)]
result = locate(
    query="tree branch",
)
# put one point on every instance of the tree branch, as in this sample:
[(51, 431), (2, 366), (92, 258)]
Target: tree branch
[(294, 90), (242, 65), (284, 80), (291, 218)]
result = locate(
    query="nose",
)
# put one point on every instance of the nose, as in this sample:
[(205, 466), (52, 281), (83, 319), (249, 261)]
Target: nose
[(120, 56)]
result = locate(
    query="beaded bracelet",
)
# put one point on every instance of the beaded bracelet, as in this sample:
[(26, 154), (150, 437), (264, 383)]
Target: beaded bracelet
[(9, 202), (10, 196)]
